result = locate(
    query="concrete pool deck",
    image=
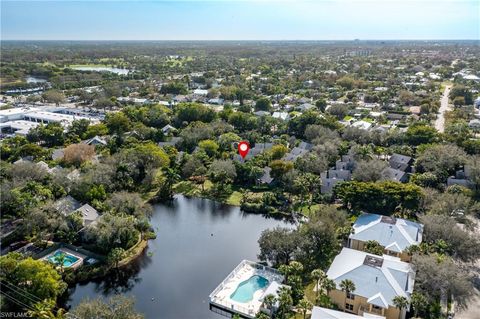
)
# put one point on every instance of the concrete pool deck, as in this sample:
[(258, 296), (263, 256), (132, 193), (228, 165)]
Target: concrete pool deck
[(220, 297), (75, 265)]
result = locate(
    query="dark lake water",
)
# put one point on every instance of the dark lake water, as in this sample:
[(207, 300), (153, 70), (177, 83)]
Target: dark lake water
[(183, 265)]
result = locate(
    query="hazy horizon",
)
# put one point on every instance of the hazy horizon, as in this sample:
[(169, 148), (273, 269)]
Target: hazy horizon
[(223, 20)]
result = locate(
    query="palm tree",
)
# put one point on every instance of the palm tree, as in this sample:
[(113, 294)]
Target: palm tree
[(296, 267), (419, 303), (401, 303), (269, 301), (45, 310), (60, 260), (319, 275), (285, 302), (304, 305), (261, 315), (364, 152), (348, 286), (329, 285), (285, 270), (171, 177)]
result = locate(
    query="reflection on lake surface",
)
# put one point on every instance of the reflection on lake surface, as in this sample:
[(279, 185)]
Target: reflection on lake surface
[(183, 265), (101, 69)]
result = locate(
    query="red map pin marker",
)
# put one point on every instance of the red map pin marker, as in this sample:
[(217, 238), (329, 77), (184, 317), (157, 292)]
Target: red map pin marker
[(243, 148)]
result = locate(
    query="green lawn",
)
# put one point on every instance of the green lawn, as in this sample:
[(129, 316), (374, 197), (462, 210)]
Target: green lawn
[(309, 293), (191, 189), (71, 66), (304, 209), (234, 199)]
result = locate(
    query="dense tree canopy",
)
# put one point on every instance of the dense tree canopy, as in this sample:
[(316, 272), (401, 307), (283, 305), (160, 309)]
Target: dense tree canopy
[(379, 198)]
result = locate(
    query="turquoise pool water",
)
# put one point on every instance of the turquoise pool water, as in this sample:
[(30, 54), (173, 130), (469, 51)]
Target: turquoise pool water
[(68, 261), (246, 289)]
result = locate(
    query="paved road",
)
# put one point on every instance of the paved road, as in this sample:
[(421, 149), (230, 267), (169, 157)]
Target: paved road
[(440, 122)]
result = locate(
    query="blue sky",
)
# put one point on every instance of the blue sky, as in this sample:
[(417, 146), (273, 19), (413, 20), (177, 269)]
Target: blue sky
[(240, 20)]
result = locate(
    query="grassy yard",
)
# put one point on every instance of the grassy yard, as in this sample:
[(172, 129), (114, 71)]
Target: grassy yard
[(191, 189), (309, 293), (88, 65), (178, 62), (234, 198), (310, 296), (444, 84), (305, 211)]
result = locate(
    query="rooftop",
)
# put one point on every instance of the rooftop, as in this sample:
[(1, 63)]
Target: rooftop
[(395, 234), (379, 279), (324, 313)]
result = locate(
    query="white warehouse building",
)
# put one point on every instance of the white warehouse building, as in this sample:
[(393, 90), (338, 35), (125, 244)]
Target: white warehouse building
[(20, 120)]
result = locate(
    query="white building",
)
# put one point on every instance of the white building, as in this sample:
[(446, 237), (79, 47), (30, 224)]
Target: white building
[(21, 119)]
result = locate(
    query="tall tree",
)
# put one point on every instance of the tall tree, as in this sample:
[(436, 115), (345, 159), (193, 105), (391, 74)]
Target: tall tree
[(304, 305), (117, 307), (401, 303), (348, 286)]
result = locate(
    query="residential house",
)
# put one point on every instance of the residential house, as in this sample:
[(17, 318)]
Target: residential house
[(281, 115), (266, 179), (216, 101), (133, 100), (477, 103), (328, 183), (377, 279), (305, 107), (461, 178), (324, 313), (341, 173), (394, 234), (261, 113), (167, 129), (400, 162), (474, 124), (172, 142), (395, 175), (89, 214), (344, 174), (363, 125), (258, 149), (96, 141), (200, 92), (297, 151), (69, 205)]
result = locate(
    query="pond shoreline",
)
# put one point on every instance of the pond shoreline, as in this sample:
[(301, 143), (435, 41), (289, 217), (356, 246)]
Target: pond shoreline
[(198, 242)]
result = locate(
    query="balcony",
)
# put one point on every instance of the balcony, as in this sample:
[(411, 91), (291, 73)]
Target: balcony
[(369, 309)]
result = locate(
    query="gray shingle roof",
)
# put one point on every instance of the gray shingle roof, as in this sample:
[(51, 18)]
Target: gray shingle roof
[(89, 214), (266, 178), (67, 205), (401, 162), (394, 174), (96, 140)]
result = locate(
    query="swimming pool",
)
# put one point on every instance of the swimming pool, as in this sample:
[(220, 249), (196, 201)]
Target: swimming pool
[(68, 261), (246, 289)]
